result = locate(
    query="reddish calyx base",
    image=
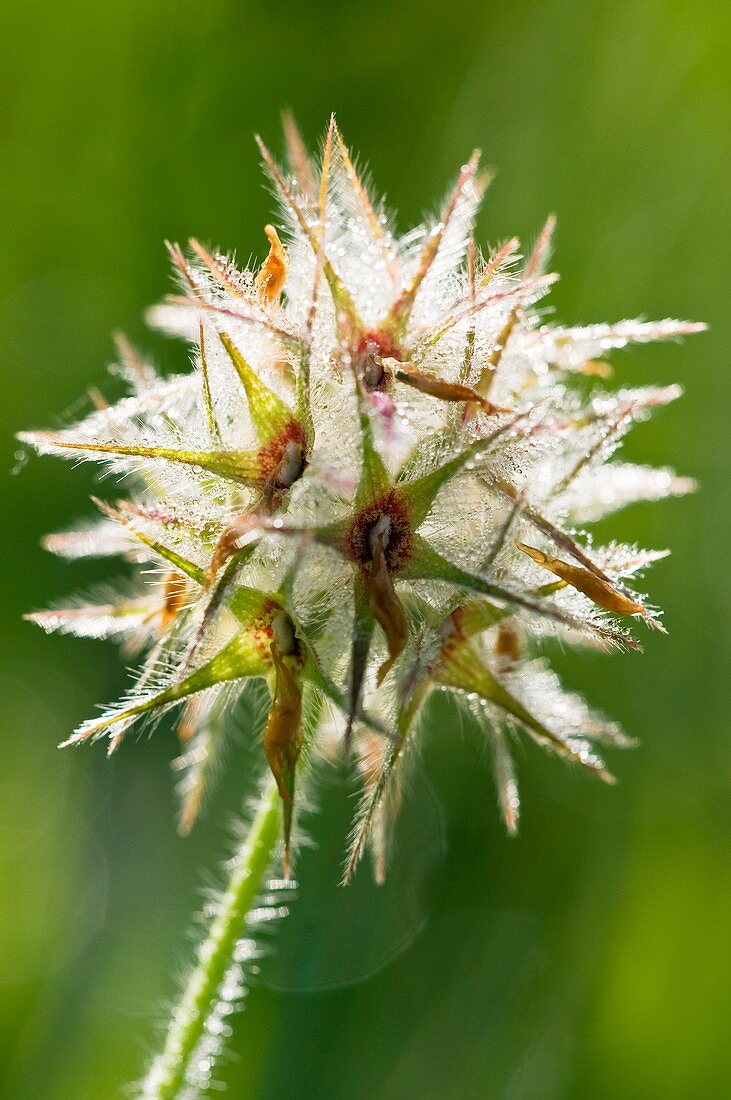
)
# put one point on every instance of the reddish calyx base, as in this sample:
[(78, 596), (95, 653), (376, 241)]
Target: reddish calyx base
[(282, 461), (262, 631), (367, 355), (387, 516), (273, 625), (275, 453)]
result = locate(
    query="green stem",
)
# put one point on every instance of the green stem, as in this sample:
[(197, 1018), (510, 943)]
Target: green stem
[(167, 1076)]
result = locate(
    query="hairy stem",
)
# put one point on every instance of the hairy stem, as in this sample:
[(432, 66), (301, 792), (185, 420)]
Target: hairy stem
[(169, 1072)]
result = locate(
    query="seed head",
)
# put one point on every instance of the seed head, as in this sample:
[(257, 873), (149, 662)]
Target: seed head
[(371, 486)]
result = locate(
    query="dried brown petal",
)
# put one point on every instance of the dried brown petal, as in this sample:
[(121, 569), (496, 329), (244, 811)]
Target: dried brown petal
[(437, 387), (272, 276), (508, 644), (598, 590), (230, 542), (386, 606), (174, 593), (283, 738)]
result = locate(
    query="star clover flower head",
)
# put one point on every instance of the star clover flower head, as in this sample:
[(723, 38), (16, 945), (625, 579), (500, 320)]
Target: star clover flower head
[(372, 485)]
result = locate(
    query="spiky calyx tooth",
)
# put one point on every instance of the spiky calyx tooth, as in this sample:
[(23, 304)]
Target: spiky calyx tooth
[(400, 311), (459, 667), (241, 467)]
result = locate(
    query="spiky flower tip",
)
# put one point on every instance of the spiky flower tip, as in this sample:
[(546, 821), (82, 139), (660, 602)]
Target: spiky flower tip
[(372, 485)]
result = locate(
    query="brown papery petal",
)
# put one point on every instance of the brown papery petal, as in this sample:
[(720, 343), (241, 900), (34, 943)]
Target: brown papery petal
[(272, 276), (436, 387), (387, 608), (598, 590), (174, 593), (283, 739), (240, 532)]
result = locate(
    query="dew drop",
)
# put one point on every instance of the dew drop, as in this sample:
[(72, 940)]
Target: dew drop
[(22, 457)]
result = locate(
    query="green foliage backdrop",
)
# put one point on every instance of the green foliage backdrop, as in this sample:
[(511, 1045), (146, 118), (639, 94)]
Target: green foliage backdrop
[(589, 958)]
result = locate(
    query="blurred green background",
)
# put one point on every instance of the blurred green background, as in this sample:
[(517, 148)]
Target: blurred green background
[(589, 958)]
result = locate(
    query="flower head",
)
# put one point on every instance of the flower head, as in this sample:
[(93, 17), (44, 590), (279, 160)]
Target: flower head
[(371, 486)]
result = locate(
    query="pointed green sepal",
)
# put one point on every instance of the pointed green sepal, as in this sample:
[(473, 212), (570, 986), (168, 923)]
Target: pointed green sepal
[(270, 415), (239, 466), (246, 603), (313, 673), (421, 492), (426, 564), (406, 718), (304, 403), (214, 431), (95, 620), (476, 616), (400, 311), (183, 565), (460, 667), (244, 656)]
